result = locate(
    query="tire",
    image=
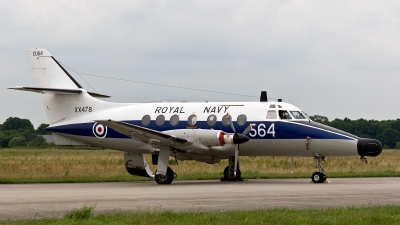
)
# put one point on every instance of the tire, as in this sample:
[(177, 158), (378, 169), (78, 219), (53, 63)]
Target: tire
[(167, 179), (318, 177), (228, 174)]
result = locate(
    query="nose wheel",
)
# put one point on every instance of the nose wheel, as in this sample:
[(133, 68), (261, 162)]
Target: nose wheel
[(320, 176)]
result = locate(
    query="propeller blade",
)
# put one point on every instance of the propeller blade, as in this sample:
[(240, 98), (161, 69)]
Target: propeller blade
[(248, 129), (229, 117), (236, 160)]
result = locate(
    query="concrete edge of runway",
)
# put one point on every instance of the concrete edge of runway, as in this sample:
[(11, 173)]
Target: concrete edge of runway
[(55, 199)]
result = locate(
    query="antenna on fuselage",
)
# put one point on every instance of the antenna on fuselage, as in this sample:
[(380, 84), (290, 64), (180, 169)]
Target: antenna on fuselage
[(263, 97)]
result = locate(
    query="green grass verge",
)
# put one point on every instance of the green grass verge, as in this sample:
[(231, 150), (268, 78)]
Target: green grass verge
[(22, 165), (346, 215)]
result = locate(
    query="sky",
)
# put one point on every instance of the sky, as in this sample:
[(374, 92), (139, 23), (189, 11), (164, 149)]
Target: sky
[(332, 58)]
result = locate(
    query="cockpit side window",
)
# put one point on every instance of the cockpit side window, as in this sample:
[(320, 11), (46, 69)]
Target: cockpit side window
[(271, 114), (297, 115), (283, 114)]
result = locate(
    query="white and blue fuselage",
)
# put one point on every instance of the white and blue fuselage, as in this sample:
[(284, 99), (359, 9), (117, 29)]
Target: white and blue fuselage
[(268, 137), (205, 131)]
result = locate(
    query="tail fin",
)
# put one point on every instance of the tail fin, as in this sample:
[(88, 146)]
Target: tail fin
[(48, 71), (60, 92)]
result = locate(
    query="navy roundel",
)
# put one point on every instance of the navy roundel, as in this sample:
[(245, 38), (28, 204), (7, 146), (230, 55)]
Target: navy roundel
[(99, 130)]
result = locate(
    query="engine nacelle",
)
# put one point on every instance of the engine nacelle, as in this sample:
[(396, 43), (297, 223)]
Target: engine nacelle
[(213, 137), (203, 140), (204, 137)]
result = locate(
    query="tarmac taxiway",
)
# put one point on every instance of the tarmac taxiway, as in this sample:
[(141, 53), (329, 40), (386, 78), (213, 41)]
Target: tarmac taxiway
[(19, 201)]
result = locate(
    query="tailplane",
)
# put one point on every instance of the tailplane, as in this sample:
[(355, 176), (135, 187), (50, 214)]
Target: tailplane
[(60, 92), (51, 76)]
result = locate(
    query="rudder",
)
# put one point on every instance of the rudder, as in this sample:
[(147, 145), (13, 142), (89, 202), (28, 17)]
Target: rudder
[(48, 71)]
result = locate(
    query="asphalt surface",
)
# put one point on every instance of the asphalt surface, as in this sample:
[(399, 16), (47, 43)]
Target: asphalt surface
[(19, 201)]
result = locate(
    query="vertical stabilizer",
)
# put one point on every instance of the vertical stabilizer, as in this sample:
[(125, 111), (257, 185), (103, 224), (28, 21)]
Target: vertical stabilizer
[(50, 74), (61, 93), (48, 71)]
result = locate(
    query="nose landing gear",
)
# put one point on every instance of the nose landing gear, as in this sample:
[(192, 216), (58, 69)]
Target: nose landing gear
[(320, 176)]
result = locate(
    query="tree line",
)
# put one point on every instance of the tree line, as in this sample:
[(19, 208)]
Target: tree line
[(15, 131)]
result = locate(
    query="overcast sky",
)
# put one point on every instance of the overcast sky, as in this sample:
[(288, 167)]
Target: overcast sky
[(333, 58)]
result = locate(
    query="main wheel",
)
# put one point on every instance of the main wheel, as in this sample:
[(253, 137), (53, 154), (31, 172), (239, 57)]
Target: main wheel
[(229, 175), (165, 179), (318, 177)]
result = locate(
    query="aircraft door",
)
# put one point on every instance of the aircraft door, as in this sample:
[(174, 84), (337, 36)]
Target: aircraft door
[(271, 115)]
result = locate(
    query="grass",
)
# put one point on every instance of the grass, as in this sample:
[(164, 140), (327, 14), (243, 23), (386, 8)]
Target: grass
[(345, 215), (71, 165), (79, 214)]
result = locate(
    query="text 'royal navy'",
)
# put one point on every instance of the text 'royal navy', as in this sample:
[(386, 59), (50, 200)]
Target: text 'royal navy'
[(215, 109), (169, 110)]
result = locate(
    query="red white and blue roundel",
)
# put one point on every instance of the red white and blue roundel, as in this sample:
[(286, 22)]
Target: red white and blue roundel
[(99, 130)]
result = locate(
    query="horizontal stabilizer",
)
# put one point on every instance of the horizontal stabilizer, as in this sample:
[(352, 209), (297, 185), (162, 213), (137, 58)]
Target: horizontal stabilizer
[(142, 133), (57, 91)]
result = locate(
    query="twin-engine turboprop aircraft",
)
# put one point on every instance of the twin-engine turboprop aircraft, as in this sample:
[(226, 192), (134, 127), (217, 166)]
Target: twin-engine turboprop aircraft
[(204, 132)]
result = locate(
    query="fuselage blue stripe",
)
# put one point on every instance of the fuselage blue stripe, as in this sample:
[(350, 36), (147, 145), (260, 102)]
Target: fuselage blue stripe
[(282, 129)]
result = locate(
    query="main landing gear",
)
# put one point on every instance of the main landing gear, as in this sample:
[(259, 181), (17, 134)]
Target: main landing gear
[(136, 165), (229, 171), (167, 178), (320, 176)]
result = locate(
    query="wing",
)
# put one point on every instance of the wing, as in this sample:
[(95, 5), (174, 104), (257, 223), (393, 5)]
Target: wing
[(144, 134)]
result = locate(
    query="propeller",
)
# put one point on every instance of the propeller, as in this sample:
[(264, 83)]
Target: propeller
[(238, 139)]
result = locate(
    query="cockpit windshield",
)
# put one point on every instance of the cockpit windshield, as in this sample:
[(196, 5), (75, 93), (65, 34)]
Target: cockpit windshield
[(283, 114), (297, 115), (289, 115), (305, 115)]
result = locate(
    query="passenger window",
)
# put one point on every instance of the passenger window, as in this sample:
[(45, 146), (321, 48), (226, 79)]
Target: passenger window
[(211, 120), (241, 120), (192, 120), (160, 120), (146, 120), (283, 114), (225, 120), (297, 115), (174, 120), (271, 114)]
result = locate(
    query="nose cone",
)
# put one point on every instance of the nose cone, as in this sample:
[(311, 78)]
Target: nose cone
[(240, 138), (369, 147)]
